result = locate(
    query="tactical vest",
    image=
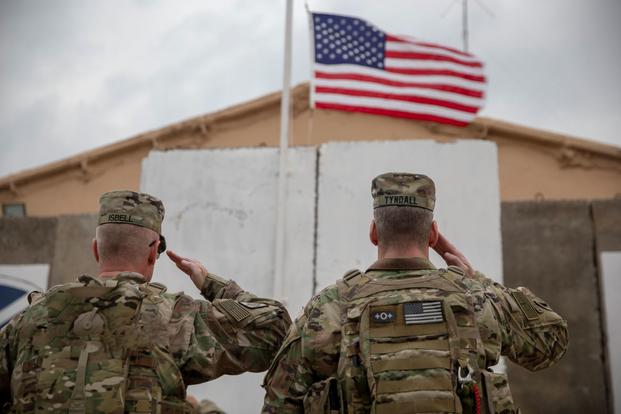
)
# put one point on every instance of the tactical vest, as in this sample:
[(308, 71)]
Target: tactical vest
[(98, 346), (411, 345)]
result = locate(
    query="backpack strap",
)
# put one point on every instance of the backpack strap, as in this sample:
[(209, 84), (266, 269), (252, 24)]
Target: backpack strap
[(352, 385)]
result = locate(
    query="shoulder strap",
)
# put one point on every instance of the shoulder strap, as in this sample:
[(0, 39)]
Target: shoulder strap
[(156, 287), (352, 392)]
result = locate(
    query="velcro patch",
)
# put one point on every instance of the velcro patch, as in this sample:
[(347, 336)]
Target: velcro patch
[(423, 312), (254, 305), (526, 306), (234, 309), (383, 316)]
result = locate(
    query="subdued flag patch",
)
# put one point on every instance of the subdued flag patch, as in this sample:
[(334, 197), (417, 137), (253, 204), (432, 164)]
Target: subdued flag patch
[(423, 312)]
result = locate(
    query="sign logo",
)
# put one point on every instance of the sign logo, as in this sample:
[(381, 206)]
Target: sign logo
[(16, 282)]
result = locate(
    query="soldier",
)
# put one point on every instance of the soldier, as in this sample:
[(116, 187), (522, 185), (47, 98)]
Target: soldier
[(119, 343), (405, 337)]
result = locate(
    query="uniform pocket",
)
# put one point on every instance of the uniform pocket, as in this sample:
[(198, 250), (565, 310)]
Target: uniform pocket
[(323, 398), (498, 393)]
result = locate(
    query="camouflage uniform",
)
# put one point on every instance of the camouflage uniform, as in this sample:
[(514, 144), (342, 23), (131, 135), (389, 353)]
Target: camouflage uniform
[(310, 373), (115, 345), (208, 407)]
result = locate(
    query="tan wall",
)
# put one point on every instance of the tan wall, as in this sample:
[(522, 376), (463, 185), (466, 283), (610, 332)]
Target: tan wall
[(528, 170)]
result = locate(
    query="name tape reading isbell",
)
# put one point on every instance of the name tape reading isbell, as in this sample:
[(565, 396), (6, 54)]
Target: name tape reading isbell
[(122, 218)]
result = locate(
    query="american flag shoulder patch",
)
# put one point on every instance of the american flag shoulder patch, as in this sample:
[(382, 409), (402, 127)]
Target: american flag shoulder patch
[(423, 312)]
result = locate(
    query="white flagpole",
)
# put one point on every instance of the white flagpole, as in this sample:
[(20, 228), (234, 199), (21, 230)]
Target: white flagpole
[(279, 280)]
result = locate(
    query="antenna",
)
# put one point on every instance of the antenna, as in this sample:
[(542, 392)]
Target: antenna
[(465, 33)]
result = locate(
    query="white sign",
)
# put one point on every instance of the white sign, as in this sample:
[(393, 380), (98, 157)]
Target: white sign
[(16, 282)]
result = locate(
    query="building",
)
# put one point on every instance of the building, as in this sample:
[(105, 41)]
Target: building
[(534, 164)]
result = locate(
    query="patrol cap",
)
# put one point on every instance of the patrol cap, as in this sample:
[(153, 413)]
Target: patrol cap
[(129, 207), (403, 189)]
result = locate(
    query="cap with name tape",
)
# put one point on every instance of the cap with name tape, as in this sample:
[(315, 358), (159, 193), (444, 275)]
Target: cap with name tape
[(403, 189), (129, 207)]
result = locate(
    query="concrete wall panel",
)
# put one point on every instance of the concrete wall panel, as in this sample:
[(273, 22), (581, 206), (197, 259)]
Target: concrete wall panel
[(549, 247), (73, 254), (39, 252), (221, 209), (62, 242), (27, 240), (611, 284), (607, 219), (467, 193)]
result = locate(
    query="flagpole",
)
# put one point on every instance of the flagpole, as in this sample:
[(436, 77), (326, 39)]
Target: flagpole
[(279, 281), (464, 24)]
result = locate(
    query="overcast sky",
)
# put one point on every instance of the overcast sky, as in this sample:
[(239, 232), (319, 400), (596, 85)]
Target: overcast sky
[(75, 75)]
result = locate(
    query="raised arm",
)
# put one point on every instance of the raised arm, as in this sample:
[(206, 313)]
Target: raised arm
[(233, 331), (532, 334)]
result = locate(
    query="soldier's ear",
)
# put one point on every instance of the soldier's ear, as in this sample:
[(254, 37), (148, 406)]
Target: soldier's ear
[(95, 250), (153, 254), (434, 234), (373, 233)]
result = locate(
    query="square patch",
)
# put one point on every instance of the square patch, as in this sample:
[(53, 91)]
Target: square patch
[(423, 312)]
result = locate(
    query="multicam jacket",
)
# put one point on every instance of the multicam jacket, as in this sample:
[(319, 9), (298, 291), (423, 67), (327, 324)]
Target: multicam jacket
[(530, 333), (123, 345)]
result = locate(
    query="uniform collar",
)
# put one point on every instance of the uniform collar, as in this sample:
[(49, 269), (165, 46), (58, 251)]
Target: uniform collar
[(133, 276), (403, 263)]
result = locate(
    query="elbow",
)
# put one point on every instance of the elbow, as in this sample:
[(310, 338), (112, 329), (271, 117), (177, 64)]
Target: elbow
[(556, 344), (268, 343)]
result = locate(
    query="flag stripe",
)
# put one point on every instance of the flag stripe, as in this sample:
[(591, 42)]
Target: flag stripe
[(419, 116), (429, 56), (436, 72), (397, 97), (430, 64), (397, 106), (397, 77), (455, 90), (412, 41), (424, 48), (413, 91), (422, 318)]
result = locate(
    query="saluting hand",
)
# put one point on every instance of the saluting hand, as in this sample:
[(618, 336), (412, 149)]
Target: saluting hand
[(452, 256), (190, 267)]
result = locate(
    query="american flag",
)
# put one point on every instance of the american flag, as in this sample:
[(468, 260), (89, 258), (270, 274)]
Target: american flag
[(360, 68), (423, 312)]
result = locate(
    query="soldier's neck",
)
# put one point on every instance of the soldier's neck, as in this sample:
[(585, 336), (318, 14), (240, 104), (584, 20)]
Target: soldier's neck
[(112, 271), (396, 253)]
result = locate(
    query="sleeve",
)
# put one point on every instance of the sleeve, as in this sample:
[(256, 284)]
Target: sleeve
[(232, 332), (5, 370), (309, 355), (7, 356), (532, 334)]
